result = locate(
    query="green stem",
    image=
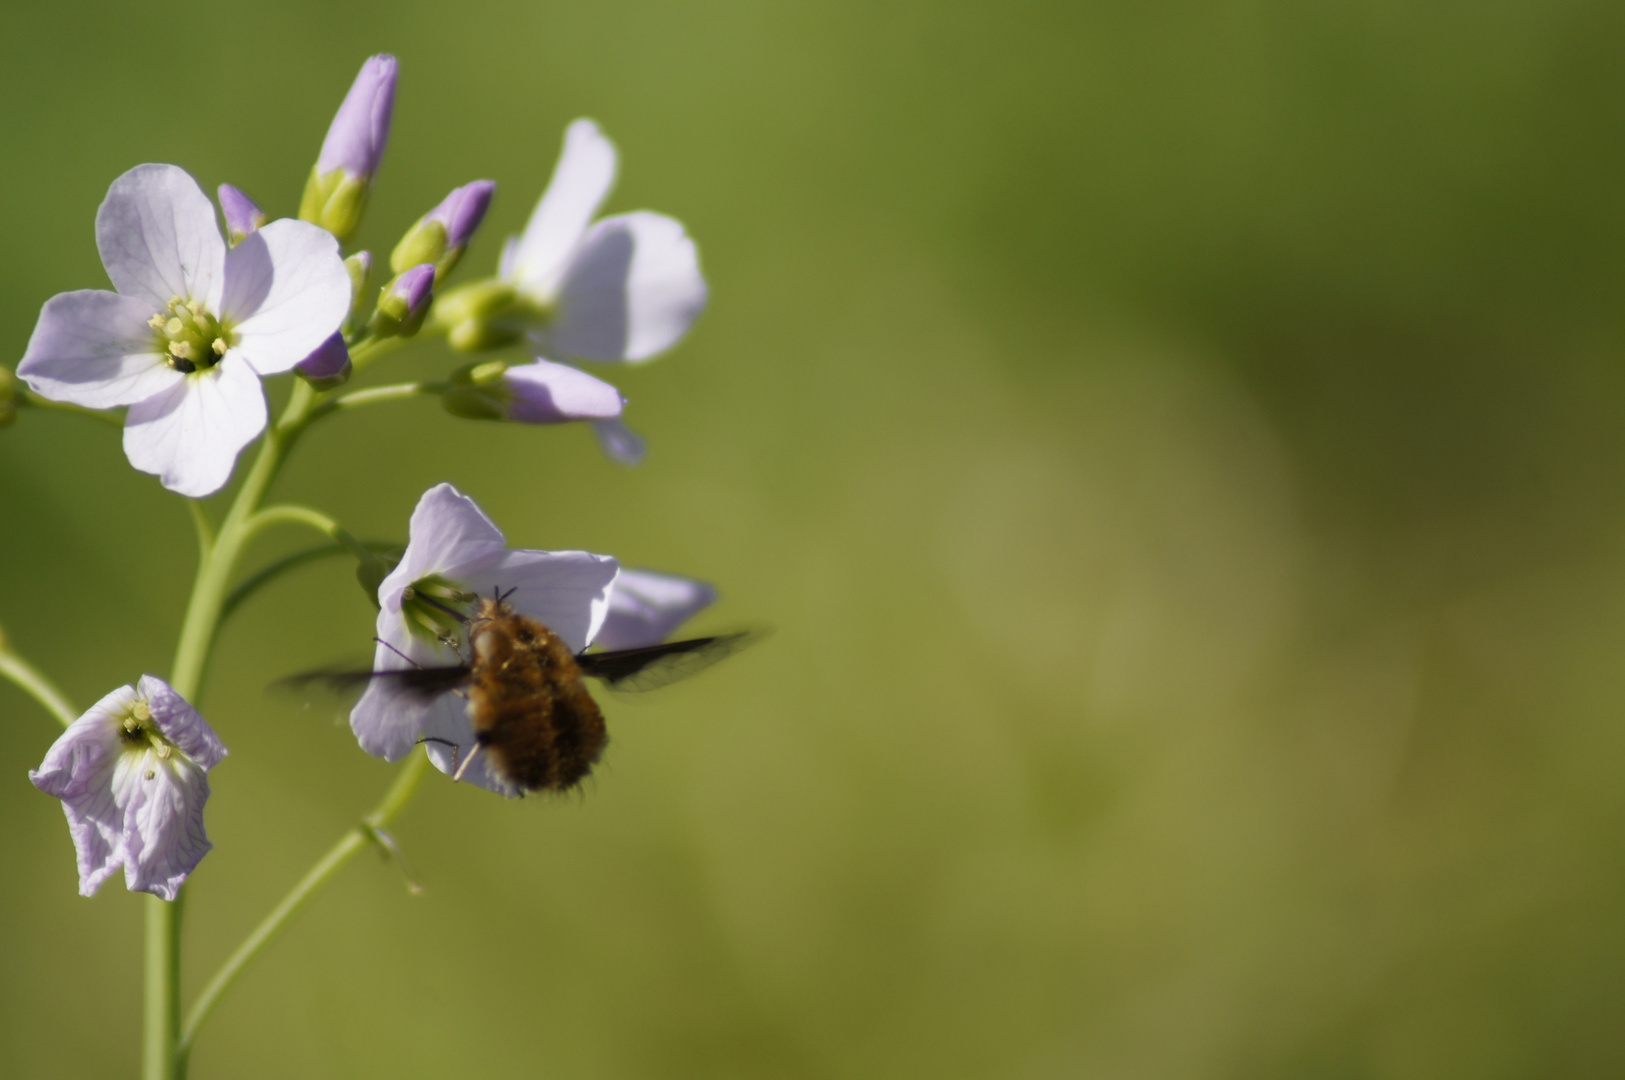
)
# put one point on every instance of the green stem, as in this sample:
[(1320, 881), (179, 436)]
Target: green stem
[(163, 998), (348, 846), (32, 680), (377, 395), (290, 562)]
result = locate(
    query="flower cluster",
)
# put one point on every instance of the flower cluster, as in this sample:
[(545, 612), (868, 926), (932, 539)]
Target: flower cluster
[(199, 316)]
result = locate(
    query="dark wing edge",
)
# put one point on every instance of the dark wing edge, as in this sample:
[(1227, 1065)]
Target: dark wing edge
[(650, 668), (418, 682)]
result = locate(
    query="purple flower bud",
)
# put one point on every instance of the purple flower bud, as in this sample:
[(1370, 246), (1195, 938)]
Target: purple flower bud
[(242, 216), (329, 363), (412, 289), (462, 211), (549, 393), (355, 142)]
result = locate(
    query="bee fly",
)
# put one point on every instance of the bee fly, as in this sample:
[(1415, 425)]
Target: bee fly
[(532, 716)]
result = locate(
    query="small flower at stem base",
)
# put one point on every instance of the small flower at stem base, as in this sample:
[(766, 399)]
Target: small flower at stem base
[(336, 194), (441, 235), (131, 774), (242, 216)]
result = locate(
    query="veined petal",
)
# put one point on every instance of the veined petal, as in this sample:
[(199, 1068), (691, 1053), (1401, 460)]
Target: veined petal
[(158, 238), (180, 723), (94, 348), (646, 607), (549, 393), (581, 181), (448, 534), (287, 291), (632, 290), (189, 436), (567, 590), (163, 820)]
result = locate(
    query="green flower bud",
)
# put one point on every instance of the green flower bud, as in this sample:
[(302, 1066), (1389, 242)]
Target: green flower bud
[(335, 201), (480, 300), (473, 335), (479, 392), (404, 302), (424, 242)]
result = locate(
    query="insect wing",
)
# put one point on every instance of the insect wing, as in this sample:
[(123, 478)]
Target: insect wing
[(659, 665), (422, 683)]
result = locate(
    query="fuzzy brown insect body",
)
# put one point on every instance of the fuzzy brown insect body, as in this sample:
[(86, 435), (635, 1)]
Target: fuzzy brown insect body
[(531, 713)]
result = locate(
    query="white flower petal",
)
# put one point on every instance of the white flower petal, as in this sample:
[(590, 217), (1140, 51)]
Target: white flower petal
[(78, 769), (581, 182), (566, 590), (94, 348), (389, 720), (158, 237), (646, 607), (163, 820), (190, 435), (286, 292), (448, 532), (549, 393), (632, 290), (619, 443), (180, 723)]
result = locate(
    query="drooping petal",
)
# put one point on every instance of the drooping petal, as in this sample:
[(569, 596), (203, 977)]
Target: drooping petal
[(355, 141), (158, 238), (163, 838), (581, 181), (287, 291), (632, 290), (180, 723), (189, 436), (619, 443), (549, 393), (448, 535), (566, 590), (94, 348), (646, 607)]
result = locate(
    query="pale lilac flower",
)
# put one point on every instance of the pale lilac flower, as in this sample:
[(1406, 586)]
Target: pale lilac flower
[(360, 129), (242, 215), (131, 777), (455, 556), (538, 393), (624, 288), (646, 607), (192, 328)]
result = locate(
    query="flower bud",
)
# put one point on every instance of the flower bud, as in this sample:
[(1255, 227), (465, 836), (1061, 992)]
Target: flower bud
[(8, 401), (242, 216), (336, 193), (359, 267), (538, 393), (328, 366), (441, 235), (404, 302)]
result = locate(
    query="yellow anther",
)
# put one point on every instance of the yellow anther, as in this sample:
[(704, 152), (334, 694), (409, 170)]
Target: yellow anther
[(195, 308), (156, 322), (180, 350), (220, 346), (151, 774), (140, 710)]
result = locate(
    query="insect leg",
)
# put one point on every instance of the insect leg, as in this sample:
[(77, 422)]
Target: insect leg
[(458, 775)]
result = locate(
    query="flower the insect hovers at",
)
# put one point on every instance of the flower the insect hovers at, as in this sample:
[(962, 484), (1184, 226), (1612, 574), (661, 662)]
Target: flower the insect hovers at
[(131, 776), (336, 194), (454, 557), (646, 607), (192, 327)]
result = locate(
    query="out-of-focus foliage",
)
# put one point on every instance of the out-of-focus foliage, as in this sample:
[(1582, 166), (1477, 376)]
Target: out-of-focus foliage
[(1180, 446)]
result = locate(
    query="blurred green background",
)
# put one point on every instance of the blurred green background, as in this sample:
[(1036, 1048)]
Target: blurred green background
[(1179, 445)]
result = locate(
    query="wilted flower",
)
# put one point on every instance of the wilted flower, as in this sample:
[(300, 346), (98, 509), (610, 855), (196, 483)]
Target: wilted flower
[(192, 328), (131, 776), (453, 557)]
